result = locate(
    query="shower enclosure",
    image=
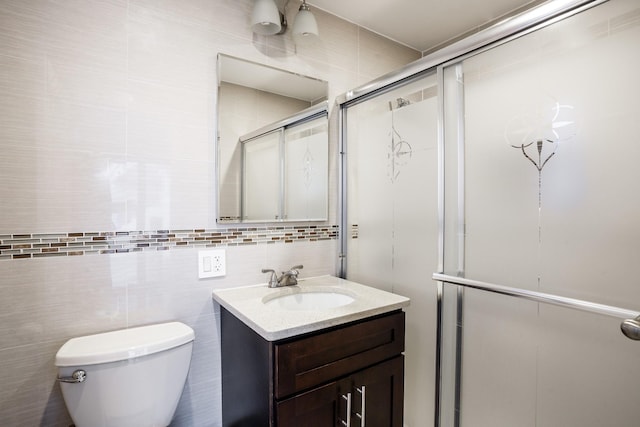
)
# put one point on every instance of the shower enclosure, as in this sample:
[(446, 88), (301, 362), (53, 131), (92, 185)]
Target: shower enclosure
[(392, 222), (506, 165)]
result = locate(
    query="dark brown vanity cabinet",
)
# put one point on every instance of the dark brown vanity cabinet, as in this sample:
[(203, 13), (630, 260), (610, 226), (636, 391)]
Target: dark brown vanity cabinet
[(350, 375)]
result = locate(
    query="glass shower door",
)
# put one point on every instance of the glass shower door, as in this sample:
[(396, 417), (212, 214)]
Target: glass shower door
[(392, 216), (542, 132)]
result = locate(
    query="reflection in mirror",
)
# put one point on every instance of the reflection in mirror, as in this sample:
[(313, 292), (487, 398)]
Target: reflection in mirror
[(250, 97), (261, 177), (306, 170), (285, 169)]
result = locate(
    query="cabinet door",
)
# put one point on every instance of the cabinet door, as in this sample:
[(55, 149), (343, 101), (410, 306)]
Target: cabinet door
[(378, 395), (373, 397), (324, 406)]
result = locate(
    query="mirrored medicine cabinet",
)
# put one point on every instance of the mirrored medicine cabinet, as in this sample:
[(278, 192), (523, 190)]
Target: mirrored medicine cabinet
[(272, 145)]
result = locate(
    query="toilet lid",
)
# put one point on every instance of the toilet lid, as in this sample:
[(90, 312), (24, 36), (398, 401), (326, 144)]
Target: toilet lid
[(123, 344)]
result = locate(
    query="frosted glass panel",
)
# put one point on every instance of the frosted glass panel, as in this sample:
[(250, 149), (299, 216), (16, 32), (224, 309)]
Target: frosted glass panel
[(543, 366), (550, 204), (261, 177), (285, 171), (563, 218), (392, 218), (306, 163), (588, 376), (500, 342)]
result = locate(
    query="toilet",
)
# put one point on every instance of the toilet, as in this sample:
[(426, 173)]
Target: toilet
[(127, 378)]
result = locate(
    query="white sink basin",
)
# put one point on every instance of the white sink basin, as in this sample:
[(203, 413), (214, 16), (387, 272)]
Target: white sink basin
[(309, 306), (314, 300)]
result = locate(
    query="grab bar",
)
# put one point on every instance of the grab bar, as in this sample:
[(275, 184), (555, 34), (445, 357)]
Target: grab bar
[(630, 326)]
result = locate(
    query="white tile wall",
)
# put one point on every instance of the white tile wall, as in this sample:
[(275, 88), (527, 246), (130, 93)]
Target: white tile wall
[(107, 123)]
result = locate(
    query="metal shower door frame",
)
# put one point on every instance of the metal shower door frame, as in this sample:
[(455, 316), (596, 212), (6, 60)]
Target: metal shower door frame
[(538, 17)]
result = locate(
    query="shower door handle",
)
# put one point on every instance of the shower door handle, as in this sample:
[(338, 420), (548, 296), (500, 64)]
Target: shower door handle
[(631, 328)]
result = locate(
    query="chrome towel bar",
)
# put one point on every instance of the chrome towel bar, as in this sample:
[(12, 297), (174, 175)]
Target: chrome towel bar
[(630, 326)]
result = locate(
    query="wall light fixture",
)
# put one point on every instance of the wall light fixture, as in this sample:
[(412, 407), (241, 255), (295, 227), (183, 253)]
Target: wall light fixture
[(266, 18), (305, 27)]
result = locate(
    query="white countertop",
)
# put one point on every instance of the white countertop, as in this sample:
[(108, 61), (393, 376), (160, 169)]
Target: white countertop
[(247, 304)]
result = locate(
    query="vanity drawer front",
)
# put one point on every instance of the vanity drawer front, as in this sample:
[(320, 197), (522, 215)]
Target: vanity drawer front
[(311, 361)]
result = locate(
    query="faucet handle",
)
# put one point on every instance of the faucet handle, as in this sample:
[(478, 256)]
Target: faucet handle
[(293, 271), (273, 279)]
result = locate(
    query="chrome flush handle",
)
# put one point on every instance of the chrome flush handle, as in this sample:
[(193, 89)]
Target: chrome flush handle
[(78, 376)]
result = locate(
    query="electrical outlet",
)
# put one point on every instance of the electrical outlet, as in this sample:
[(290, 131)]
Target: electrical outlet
[(211, 263)]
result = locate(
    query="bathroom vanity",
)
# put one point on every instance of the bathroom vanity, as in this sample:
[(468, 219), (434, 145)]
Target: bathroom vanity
[(337, 365)]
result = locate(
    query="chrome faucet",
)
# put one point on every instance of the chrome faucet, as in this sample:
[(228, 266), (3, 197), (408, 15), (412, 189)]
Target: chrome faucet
[(288, 278)]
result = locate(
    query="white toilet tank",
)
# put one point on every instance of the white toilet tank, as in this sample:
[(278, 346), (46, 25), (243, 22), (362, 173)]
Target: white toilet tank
[(132, 377)]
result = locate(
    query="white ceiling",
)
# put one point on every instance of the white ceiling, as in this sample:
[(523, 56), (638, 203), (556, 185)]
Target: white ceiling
[(420, 24)]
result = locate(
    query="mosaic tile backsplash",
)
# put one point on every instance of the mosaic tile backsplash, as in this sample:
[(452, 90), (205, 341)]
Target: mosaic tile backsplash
[(19, 246)]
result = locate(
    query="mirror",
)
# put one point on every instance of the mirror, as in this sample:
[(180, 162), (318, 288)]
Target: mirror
[(272, 151)]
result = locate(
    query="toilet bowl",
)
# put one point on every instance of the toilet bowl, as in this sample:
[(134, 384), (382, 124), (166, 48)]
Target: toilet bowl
[(127, 378)]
